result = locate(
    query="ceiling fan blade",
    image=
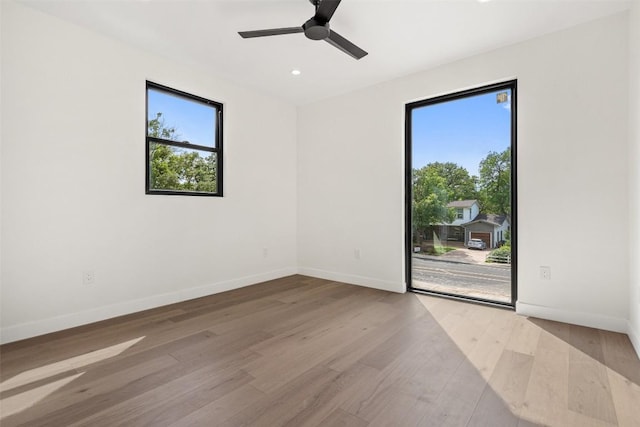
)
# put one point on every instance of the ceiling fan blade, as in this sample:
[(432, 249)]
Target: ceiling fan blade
[(270, 32), (345, 45), (326, 9)]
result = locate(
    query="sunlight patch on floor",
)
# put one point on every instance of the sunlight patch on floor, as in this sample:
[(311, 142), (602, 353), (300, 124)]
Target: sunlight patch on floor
[(481, 346), (19, 402), (549, 391), (76, 362)]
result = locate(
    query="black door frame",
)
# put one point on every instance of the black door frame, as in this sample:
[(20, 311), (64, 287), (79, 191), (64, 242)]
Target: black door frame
[(512, 85)]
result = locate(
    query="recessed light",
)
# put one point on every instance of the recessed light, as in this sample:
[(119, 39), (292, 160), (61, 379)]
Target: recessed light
[(296, 72)]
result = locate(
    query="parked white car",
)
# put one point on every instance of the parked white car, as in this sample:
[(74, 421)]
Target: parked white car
[(476, 244)]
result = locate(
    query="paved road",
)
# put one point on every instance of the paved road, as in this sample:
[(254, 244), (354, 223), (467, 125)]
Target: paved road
[(484, 281)]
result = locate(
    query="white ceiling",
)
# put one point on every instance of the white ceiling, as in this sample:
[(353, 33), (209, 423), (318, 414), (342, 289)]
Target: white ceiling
[(401, 36)]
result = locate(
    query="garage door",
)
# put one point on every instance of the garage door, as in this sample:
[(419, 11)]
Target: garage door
[(485, 237)]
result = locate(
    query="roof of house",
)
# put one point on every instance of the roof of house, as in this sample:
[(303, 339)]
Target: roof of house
[(490, 218), (462, 204)]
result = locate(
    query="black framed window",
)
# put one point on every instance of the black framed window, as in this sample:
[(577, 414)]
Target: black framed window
[(183, 143), (475, 131)]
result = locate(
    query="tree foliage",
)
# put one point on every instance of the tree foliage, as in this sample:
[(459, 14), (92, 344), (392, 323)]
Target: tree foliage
[(495, 183), (157, 128), (430, 199), (457, 181), (175, 168)]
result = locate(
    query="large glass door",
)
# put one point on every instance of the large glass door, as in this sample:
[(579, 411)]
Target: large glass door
[(460, 186)]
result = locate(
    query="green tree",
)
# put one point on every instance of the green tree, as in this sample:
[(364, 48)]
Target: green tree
[(175, 168), (158, 129), (495, 183), (457, 181), (430, 199)]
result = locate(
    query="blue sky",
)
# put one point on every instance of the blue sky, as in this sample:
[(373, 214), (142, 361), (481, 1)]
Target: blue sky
[(462, 131), (193, 121)]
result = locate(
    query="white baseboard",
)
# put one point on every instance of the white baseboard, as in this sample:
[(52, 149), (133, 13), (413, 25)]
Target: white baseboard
[(634, 336), (368, 282), (66, 321), (615, 324)]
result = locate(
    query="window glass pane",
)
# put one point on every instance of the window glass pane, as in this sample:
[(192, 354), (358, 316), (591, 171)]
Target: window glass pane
[(181, 169), (460, 184), (179, 119)]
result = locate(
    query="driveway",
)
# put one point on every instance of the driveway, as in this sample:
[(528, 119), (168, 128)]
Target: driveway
[(471, 256), (465, 255)]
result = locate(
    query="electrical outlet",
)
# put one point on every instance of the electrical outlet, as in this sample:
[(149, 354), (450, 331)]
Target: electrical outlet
[(265, 252), (88, 277), (356, 253), (545, 273)]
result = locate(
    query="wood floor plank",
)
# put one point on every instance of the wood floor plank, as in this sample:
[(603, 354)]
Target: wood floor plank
[(292, 356), (381, 356), (303, 351), (307, 328), (78, 392), (419, 374), (315, 317), (626, 398), (218, 347), (373, 338), (340, 418), (502, 399), (397, 405), (485, 355), (619, 356), (77, 341), (274, 318), (223, 408), (577, 419), (457, 401), (524, 336), (589, 389), (554, 336), (587, 342), (526, 423), (67, 415), (546, 400), (300, 294), (283, 404), (171, 401), (330, 397), (275, 371), (467, 332)]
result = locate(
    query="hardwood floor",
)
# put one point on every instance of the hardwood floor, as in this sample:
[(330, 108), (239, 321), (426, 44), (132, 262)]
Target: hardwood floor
[(300, 351)]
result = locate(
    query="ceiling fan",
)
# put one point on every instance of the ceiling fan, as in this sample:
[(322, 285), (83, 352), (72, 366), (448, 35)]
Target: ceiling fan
[(316, 28)]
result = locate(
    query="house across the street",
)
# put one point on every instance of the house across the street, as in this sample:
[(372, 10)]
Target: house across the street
[(469, 223), (490, 228)]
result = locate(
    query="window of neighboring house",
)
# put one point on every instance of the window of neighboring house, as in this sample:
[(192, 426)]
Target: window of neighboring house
[(459, 213), (183, 143)]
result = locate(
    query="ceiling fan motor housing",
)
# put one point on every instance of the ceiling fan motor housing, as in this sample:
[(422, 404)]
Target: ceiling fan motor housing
[(315, 30)]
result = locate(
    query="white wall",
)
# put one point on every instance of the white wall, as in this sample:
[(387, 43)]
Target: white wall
[(572, 164), (73, 183), (634, 173)]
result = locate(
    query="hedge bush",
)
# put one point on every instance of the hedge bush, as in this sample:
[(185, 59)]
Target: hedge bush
[(503, 251)]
